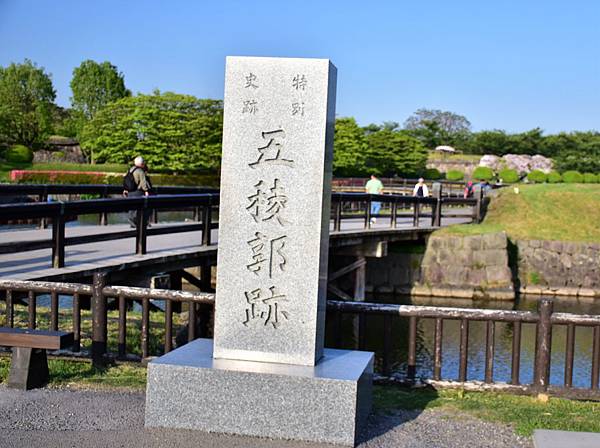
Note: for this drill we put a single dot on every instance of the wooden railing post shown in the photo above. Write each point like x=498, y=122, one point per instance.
x=205, y=311
x=206, y=225
x=337, y=217
x=478, y=196
x=436, y=209
x=58, y=240
x=99, y=328
x=368, y=213
x=104, y=215
x=544, y=344
x=41, y=199
x=141, y=222
x=416, y=213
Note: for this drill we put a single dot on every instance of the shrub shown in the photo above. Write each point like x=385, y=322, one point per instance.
x=508, y=175
x=75, y=177
x=590, y=178
x=572, y=177
x=455, y=175
x=56, y=177
x=554, y=177
x=433, y=174
x=19, y=154
x=176, y=180
x=537, y=176
x=483, y=173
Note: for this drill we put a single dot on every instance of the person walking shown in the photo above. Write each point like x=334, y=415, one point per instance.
x=468, y=192
x=421, y=189
x=374, y=186
x=136, y=183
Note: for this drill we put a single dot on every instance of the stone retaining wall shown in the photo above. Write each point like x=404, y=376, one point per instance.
x=488, y=266
x=472, y=267
x=558, y=268
x=477, y=265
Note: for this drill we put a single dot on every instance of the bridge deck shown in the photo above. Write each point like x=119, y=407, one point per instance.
x=181, y=249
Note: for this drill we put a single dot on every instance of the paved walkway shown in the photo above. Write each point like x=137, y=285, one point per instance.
x=84, y=418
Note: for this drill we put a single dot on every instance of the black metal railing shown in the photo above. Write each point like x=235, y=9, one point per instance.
x=545, y=320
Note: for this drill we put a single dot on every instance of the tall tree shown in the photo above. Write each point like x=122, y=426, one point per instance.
x=171, y=131
x=349, y=148
x=26, y=104
x=394, y=153
x=94, y=85
x=435, y=127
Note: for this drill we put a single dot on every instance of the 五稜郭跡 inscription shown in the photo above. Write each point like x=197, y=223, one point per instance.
x=274, y=215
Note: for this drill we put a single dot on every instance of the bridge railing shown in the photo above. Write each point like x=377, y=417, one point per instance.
x=25, y=293
x=204, y=206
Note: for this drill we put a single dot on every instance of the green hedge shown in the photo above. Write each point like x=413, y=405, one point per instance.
x=50, y=177
x=433, y=174
x=572, y=177
x=554, y=177
x=509, y=175
x=19, y=154
x=537, y=176
x=483, y=173
x=455, y=175
x=590, y=178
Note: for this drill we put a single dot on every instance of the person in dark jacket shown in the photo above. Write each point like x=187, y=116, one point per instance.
x=143, y=187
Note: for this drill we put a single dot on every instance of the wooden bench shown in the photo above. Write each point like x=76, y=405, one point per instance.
x=29, y=363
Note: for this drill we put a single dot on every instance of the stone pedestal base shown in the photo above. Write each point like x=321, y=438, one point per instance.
x=28, y=368
x=189, y=389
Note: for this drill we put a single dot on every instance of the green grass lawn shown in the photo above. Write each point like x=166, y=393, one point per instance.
x=524, y=413
x=81, y=374
x=568, y=212
x=133, y=327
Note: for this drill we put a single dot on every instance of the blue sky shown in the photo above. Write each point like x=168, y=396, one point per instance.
x=511, y=65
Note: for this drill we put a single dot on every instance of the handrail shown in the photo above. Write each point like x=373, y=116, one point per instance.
x=202, y=204
x=92, y=206
x=544, y=319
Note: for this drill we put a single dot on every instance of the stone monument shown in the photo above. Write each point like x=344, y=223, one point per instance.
x=267, y=373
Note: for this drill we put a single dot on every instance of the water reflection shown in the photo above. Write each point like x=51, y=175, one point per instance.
x=477, y=341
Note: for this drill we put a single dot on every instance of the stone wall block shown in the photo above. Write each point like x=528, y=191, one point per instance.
x=455, y=275
x=472, y=243
x=477, y=277
x=498, y=275
x=434, y=242
x=566, y=260
x=494, y=240
x=570, y=247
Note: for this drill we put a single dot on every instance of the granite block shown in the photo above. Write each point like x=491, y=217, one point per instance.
x=326, y=403
x=278, y=126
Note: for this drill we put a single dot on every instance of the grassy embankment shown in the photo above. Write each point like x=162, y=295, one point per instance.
x=568, y=212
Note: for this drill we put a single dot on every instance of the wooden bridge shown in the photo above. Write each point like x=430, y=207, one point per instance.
x=65, y=252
